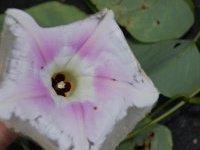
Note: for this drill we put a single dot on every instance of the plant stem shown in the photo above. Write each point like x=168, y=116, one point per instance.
x=163, y=106
x=195, y=92
x=196, y=38
x=155, y=121
x=163, y=116
x=160, y=108
x=169, y=112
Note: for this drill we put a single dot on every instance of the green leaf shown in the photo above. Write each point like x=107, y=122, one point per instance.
x=162, y=138
x=128, y=145
x=53, y=14
x=172, y=65
x=152, y=20
x=155, y=139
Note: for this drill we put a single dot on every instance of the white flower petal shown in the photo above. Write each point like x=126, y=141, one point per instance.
x=110, y=85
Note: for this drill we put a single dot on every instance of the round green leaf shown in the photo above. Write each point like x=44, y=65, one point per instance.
x=152, y=20
x=53, y=14
x=161, y=138
x=172, y=65
x=158, y=138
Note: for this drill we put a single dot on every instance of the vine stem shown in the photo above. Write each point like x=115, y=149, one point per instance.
x=195, y=92
x=160, y=108
x=163, y=106
x=196, y=38
x=164, y=115
x=155, y=121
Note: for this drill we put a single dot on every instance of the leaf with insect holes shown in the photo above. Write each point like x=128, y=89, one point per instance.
x=151, y=20
x=153, y=139
x=172, y=65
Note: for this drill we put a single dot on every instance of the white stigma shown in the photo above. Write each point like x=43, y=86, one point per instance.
x=61, y=85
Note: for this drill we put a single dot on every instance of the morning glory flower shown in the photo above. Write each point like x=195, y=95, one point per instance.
x=71, y=87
